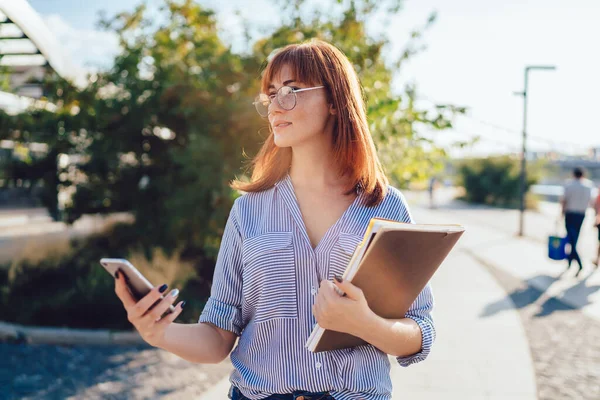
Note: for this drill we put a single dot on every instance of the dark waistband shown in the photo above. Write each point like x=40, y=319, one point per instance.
x=236, y=394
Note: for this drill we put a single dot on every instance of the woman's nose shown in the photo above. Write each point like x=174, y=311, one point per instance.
x=275, y=107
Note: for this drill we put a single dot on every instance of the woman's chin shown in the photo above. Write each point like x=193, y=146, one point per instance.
x=281, y=141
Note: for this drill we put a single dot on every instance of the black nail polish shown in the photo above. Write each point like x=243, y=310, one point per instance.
x=163, y=288
x=182, y=304
x=117, y=274
x=338, y=278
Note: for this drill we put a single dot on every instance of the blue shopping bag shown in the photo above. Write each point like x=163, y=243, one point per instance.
x=557, y=247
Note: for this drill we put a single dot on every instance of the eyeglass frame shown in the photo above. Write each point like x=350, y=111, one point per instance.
x=276, y=96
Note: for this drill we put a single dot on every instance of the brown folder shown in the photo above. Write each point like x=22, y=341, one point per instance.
x=396, y=266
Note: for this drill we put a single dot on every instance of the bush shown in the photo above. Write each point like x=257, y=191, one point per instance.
x=495, y=181
x=72, y=289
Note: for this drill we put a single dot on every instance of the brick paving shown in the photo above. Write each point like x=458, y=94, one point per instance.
x=101, y=372
x=564, y=342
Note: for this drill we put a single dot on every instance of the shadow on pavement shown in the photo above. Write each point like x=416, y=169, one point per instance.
x=524, y=296
x=528, y=293
x=551, y=305
x=581, y=291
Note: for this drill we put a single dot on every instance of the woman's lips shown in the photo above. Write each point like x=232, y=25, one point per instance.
x=282, y=125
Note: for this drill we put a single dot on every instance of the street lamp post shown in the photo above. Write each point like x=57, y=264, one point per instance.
x=522, y=182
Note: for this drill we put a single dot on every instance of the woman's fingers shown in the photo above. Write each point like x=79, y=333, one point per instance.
x=123, y=292
x=167, y=319
x=163, y=305
x=142, y=306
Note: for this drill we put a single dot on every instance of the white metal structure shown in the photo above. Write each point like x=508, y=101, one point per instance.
x=27, y=48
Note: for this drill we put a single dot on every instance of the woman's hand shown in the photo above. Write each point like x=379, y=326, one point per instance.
x=349, y=313
x=148, y=322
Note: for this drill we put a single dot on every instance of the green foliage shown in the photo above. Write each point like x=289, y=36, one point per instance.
x=160, y=134
x=74, y=290
x=494, y=180
x=4, y=77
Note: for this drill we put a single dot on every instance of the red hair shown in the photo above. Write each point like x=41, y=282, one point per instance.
x=319, y=63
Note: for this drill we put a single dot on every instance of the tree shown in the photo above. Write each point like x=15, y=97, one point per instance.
x=165, y=129
x=495, y=180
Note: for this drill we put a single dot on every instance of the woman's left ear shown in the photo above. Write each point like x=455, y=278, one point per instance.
x=332, y=110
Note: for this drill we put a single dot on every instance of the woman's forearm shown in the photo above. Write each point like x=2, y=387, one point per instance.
x=199, y=343
x=399, y=338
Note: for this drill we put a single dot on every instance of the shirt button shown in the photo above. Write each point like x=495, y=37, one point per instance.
x=318, y=365
x=313, y=291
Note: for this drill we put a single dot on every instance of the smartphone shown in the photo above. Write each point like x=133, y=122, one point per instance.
x=137, y=283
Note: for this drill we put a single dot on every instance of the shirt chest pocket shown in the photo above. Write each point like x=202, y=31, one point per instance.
x=269, y=277
x=342, y=253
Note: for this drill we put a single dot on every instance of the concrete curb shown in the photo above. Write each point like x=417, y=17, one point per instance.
x=47, y=335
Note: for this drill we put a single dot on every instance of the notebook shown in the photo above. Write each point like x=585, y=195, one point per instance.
x=391, y=265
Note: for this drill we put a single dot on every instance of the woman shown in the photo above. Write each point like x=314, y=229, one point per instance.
x=316, y=183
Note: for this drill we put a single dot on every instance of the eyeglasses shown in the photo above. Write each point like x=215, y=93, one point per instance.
x=286, y=97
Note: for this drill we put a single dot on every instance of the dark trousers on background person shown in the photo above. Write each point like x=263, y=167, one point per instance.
x=573, y=222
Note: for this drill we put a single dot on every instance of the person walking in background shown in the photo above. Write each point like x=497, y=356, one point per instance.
x=597, y=208
x=431, y=189
x=575, y=201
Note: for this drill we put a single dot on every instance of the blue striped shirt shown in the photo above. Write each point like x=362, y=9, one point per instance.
x=266, y=278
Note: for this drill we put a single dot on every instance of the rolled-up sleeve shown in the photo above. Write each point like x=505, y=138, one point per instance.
x=420, y=312
x=224, y=306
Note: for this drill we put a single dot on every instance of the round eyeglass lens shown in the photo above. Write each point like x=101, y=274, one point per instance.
x=261, y=102
x=286, y=98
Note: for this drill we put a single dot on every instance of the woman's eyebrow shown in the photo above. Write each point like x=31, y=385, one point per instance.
x=271, y=86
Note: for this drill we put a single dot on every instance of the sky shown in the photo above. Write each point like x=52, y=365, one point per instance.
x=476, y=54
